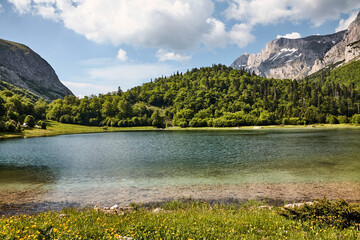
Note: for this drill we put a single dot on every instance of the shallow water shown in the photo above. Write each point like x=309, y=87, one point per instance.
x=95, y=167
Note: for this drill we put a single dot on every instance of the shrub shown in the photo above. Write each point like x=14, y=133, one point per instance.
x=343, y=119
x=292, y=121
x=331, y=119
x=356, y=119
x=65, y=119
x=197, y=122
x=30, y=120
x=183, y=124
x=42, y=124
x=336, y=213
x=10, y=126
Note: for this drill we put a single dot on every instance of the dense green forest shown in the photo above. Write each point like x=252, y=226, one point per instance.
x=220, y=96
x=18, y=106
x=216, y=96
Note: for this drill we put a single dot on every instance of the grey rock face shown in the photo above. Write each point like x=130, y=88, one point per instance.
x=22, y=67
x=297, y=58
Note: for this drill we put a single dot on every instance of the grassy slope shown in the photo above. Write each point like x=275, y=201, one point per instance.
x=179, y=220
x=56, y=128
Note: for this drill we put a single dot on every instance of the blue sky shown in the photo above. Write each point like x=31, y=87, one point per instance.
x=96, y=46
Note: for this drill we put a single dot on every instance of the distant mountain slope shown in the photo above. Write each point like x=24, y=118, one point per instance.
x=347, y=74
x=297, y=58
x=24, y=68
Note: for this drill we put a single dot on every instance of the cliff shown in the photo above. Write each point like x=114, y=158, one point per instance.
x=24, y=68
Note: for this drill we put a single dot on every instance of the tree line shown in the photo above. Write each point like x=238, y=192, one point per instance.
x=216, y=96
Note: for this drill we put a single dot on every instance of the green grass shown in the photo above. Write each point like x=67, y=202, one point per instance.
x=178, y=220
x=55, y=128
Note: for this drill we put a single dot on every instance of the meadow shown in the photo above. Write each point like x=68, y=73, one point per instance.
x=187, y=219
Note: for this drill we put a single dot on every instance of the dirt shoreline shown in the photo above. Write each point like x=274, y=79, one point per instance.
x=35, y=201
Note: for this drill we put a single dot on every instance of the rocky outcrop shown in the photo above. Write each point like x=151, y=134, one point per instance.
x=297, y=58
x=24, y=68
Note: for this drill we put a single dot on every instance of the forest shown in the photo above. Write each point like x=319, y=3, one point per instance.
x=216, y=96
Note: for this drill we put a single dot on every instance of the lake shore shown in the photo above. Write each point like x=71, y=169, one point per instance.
x=14, y=202
x=56, y=128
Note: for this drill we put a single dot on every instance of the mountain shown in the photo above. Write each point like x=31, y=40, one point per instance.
x=297, y=58
x=24, y=68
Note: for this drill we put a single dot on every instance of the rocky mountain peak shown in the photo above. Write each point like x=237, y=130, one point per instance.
x=297, y=58
x=22, y=67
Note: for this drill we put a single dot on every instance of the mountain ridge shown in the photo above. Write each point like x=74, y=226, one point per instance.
x=24, y=68
x=297, y=58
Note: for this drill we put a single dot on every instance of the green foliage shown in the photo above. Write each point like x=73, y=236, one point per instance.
x=333, y=213
x=331, y=119
x=157, y=120
x=10, y=89
x=30, y=120
x=42, y=124
x=184, y=219
x=216, y=96
x=356, y=119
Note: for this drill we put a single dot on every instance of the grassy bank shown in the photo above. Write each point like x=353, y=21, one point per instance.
x=191, y=220
x=56, y=128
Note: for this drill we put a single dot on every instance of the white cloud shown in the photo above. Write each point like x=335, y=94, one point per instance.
x=344, y=23
x=179, y=25
x=265, y=12
x=22, y=6
x=89, y=87
x=164, y=55
x=129, y=75
x=122, y=55
x=1, y=8
x=292, y=35
x=171, y=24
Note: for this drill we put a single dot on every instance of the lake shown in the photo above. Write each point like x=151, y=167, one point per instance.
x=138, y=166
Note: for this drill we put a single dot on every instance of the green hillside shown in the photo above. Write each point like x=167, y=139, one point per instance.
x=18, y=106
x=19, y=91
x=349, y=74
x=220, y=96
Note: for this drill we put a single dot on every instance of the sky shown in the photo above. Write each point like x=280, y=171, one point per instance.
x=97, y=45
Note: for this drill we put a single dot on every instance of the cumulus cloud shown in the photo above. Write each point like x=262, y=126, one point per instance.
x=164, y=55
x=292, y=35
x=172, y=24
x=128, y=75
x=219, y=37
x=179, y=25
x=266, y=12
x=344, y=23
x=122, y=55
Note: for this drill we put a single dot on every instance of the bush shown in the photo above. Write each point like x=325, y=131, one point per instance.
x=331, y=119
x=356, y=119
x=10, y=126
x=334, y=213
x=65, y=119
x=343, y=119
x=183, y=124
x=42, y=124
x=197, y=122
x=291, y=121
x=30, y=120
